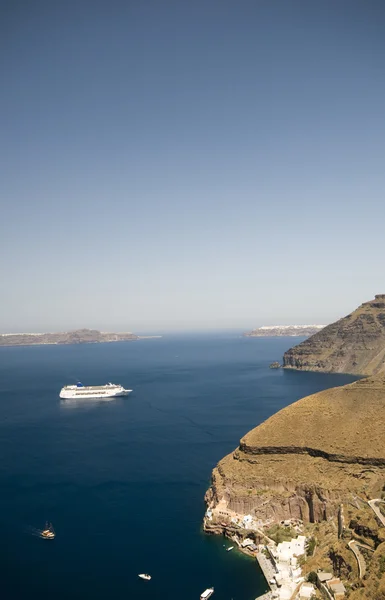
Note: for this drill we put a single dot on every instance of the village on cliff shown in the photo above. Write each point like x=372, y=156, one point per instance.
x=304, y=494
x=280, y=563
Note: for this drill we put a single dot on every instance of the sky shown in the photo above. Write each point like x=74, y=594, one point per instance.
x=176, y=165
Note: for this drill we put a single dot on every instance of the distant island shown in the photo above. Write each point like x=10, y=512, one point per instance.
x=79, y=336
x=284, y=330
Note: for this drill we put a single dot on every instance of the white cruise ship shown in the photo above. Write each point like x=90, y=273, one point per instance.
x=80, y=391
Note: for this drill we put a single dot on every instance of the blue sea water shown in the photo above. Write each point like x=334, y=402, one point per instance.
x=123, y=481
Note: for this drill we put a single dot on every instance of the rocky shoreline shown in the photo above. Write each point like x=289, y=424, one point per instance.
x=315, y=467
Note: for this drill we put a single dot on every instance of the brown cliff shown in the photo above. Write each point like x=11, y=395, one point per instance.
x=354, y=344
x=308, y=458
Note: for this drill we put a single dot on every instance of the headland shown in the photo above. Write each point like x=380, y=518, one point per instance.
x=311, y=469
x=354, y=344
x=316, y=469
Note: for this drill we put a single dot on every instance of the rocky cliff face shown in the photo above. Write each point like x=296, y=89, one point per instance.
x=307, y=459
x=354, y=344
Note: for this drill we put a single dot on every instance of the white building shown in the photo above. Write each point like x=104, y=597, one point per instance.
x=286, y=591
x=247, y=542
x=287, y=552
x=288, y=574
x=306, y=591
x=247, y=521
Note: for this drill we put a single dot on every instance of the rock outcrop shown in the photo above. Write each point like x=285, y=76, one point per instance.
x=308, y=458
x=80, y=336
x=354, y=344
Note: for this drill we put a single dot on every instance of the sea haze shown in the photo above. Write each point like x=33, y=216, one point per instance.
x=123, y=481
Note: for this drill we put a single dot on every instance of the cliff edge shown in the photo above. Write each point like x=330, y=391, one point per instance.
x=354, y=344
x=306, y=459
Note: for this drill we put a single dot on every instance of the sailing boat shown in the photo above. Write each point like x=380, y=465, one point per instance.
x=48, y=533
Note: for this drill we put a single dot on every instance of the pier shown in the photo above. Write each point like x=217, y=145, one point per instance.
x=266, y=566
x=268, y=571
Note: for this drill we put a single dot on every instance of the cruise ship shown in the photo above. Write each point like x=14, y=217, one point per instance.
x=80, y=391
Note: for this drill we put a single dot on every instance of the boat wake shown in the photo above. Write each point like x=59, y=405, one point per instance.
x=34, y=531
x=68, y=404
x=47, y=533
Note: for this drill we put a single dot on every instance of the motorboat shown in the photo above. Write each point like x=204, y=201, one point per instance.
x=48, y=533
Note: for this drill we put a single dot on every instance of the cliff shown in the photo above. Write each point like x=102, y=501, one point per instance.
x=306, y=459
x=354, y=344
x=80, y=336
x=284, y=330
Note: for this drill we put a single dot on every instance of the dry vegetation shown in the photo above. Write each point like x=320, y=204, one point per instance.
x=347, y=421
x=333, y=554
x=276, y=475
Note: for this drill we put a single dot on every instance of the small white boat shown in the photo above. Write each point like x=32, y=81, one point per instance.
x=230, y=548
x=207, y=593
x=144, y=576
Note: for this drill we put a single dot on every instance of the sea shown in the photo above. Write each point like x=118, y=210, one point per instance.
x=123, y=481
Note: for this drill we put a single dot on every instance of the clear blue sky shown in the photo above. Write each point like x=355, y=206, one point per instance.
x=190, y=164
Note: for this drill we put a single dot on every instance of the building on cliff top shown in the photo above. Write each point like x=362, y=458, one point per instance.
x=337, y=588
x=333, y=584
x=323, y=576
x=306, y=591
